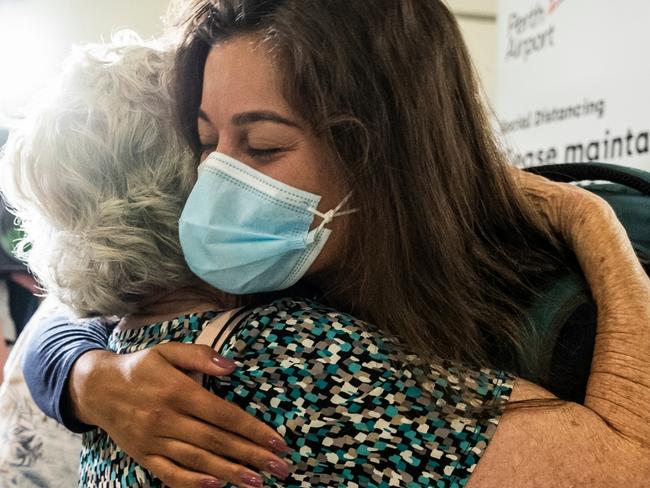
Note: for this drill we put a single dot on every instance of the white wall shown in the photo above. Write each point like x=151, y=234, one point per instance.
x=477, y=19
x=92, y=20
x=36, y=35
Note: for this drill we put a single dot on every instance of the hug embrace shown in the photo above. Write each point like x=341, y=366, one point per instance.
x=304, y=203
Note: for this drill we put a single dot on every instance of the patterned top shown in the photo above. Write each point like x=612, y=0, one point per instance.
x=355, y=410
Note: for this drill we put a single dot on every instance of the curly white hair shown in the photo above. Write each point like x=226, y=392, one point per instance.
x=98, y=176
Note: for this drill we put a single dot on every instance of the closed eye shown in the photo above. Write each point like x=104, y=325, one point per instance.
x=252, y=151
x=265, y=154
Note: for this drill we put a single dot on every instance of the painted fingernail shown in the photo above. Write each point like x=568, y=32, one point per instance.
x=212, y=483
x=252, y=479
x=223, y=362
x=278, y=444
x=281, y=470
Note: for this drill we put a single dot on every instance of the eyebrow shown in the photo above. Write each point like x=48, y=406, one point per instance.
x=256, y=116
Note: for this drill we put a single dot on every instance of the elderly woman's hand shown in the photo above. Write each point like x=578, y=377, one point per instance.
x=581, y=218
x=167, y=422
x=566, y=207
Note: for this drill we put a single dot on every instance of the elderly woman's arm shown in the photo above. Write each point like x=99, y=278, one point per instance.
x=49, y=356
x=606, y=442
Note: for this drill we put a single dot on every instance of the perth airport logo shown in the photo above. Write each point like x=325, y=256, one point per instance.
x=532, y=31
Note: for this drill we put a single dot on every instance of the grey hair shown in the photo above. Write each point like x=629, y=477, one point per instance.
x=98, y=176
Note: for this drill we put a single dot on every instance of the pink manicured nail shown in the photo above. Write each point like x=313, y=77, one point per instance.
x=211, y=483
x=279, y=445
x=223, y=362
x=281, y=470
x=252, y=479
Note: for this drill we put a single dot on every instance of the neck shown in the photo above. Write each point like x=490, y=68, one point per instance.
x=328, y=282
x=170, y=304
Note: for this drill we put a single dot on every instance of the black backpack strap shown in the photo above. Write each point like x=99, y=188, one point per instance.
x=636, y=179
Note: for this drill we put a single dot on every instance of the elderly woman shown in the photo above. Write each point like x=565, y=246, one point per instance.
x=98, y=175
x=277, y=121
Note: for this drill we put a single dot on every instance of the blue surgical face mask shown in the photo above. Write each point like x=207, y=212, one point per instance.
x=244, y=232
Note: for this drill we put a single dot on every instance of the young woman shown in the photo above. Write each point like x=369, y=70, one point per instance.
x=376, y=100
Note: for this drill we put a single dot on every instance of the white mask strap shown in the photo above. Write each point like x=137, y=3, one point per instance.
x=335, y=212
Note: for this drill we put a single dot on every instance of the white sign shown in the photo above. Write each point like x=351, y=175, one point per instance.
x=573, y=81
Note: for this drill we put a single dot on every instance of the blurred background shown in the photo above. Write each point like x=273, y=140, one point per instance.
x=36, y=35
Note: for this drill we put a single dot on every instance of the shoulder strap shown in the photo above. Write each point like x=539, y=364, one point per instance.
x=221, y=327
x=218, y=331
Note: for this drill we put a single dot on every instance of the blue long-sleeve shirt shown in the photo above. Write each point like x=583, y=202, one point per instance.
x=50, y=355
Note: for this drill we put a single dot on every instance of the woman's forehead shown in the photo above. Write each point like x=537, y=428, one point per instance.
x=241, y=76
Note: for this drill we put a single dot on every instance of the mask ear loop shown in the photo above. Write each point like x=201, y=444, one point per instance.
x=330, y=214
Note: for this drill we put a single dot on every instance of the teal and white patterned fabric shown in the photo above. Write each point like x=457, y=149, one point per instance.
x=356, y=410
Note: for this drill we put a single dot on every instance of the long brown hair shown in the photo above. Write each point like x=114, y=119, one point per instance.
x=446, y=252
